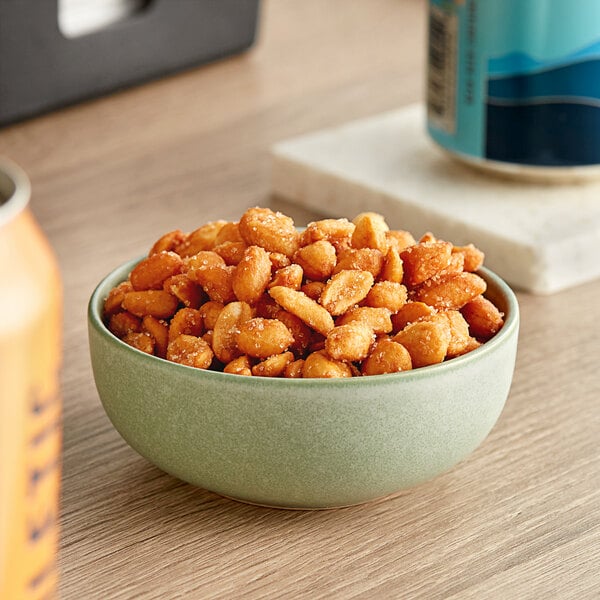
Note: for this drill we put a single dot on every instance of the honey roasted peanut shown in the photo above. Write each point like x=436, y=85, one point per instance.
x=186, y=321
x=227, y=326
x=320, y=365
x=424, y=260
x=290, y=276
x=317, y=259
x=378, y=319
x=141, y=341
x=386, y=356
x=114, y=300
x=185, y=290
x=392, y=268
x=387, y=294
x=123, y=323
x=256, y=297
x=293, y=370
x=426, y=341
x=350, y=342
x=216, y=281
x=231, y=252
x=473, y=257
x=191, y=351
x=169, y=241
x=157, y=303
x=345, y=290
x=262, y=338
x=484, y=319
x=360, y=259
x=252, y=275
x=274, y=366
x=411, y=312
x=238, y=366
x=305, y=308
x=336, y=231
x=159, y=332
x=370, y=232
x=273, y=231
x=452, y=293
x=150, y=273
x=200, y=239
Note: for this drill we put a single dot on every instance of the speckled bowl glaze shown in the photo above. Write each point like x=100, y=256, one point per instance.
x=311, y=443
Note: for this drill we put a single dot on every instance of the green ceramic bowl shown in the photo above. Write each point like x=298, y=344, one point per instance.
x=311, y=443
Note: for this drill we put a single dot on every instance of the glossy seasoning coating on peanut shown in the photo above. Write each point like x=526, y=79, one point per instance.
x=258, y=298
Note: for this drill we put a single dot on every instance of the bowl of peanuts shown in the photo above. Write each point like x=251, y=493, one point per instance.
x=303, y=368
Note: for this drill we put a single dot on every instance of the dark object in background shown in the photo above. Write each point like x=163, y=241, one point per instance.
x=40, y=69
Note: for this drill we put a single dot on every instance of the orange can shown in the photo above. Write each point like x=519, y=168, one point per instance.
x=30, y=405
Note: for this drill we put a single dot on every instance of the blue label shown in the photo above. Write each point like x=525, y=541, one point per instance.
x=515, y=81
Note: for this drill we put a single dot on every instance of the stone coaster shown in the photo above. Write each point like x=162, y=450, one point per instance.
x=539, y=237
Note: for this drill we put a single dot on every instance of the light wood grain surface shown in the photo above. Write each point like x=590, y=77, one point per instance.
x=520, y=518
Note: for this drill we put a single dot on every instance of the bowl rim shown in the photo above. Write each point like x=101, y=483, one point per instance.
x=120, y=273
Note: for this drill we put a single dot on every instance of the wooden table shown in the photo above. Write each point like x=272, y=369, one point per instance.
x=520, y=518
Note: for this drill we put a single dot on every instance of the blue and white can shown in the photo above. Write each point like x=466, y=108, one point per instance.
x=514, y=85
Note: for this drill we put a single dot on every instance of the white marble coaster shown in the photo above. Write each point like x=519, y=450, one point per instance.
x=541, y=238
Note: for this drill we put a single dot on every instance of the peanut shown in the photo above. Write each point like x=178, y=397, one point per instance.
x=484, y=319
x=186, y=321
x=274, y=366
x=191, y=351
x=238, y=366
x=313, y=289
x=349, y=342
x=209, y=312
x=159, y=332
x=123, y=323
x=226, y=329
x=150, y=273
x=112, y=304
x=261, y=338
x=399, y=239
x=200, y=239
x=392, y=269
x=426, y=342
x=185, y=290
x=293, y=370
x=157, y=303
x=168, y=242
x=273, y=231
x=231, y=252
x=318, y=364
x=252, y=275
x=473, y=257
x=387, y=294
x=386, y=356
x=378, y=319
x=290, y=276
x=306, y=309
x=141, y=341
x=317, y=259
x=424, y=260
x=230, y=232
x=452, y=292
x=361, y=259
x=370, y=232
x=411, y=312
x=336, y=231
x=345, y=289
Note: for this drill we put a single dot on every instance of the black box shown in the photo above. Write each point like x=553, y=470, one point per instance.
x=40, y=69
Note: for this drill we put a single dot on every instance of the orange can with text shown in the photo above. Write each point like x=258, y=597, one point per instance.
x=30, y=406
